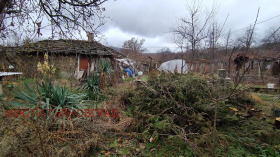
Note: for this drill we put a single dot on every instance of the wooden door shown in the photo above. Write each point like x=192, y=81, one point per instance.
x=83, y=64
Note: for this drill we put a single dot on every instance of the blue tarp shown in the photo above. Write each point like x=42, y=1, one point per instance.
x=127, y=70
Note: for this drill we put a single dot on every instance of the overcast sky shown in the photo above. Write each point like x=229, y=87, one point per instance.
x=152, y=19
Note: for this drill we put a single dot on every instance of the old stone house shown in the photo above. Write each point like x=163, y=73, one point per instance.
x=70, y=57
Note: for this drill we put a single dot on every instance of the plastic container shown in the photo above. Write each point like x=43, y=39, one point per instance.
x=140, y=73
x=270, y=85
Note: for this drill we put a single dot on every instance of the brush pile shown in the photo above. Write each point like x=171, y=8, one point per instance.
x=183, y=105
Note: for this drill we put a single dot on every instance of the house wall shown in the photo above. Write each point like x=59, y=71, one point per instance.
x=76, y=64
x=67, y=65
x=64, y=63
x=28, y=64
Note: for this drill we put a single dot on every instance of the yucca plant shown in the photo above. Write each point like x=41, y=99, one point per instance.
x=92, y=88
x=26, y=95
x=106, y=67
x=58, y=97
x=91, y=83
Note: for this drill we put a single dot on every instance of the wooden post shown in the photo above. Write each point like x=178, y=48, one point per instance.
x=77, y=64
x=212, y=68
x=1, y=91
x=201, y=66
x=259, y=70
x=222, y=73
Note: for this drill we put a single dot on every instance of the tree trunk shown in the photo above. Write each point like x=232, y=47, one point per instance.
x=215, y=129
x=3, y=5
x=182, y=67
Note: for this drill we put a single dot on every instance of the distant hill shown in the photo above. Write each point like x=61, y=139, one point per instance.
x=269, y=50
x=115, y=48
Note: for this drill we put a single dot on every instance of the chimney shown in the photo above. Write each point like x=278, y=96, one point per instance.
x=90, y=37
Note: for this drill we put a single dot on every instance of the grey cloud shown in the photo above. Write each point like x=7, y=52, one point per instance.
x=152, y=19
x=148, y=18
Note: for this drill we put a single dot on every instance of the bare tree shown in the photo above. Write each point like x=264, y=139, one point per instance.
x=246, y=40
x=134, y=46
x=214, y=34
x=228, y=41
x=65, y=17
x=164, y=54
x=164, y=50
x=272, y=47
x=227, y=46
x=240, y=61
x=192, y=29
x=273, y=42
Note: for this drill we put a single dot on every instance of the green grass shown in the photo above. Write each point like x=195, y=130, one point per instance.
x=129, y=79
x=253, y=136
x=135, y=146
x=269, y=100
x=144, y=78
